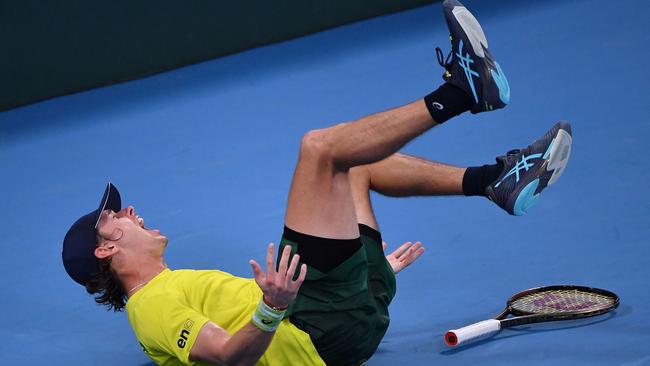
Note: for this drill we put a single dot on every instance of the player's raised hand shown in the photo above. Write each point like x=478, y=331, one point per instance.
x=404, y=255
x=278, y=286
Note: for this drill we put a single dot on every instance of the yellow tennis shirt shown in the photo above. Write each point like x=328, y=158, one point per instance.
x=168, y=313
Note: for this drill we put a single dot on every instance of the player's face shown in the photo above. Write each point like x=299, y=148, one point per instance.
x=127, y=229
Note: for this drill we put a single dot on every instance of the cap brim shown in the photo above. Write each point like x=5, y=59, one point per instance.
x=110, y=201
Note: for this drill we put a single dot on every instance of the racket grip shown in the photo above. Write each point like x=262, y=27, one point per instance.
x=472, y=332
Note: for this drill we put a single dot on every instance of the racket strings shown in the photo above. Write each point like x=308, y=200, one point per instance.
x=562, y=301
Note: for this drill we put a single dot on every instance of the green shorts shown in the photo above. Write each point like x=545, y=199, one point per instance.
x=345, y=311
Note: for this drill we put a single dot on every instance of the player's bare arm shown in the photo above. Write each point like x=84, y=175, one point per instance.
x=214, y=344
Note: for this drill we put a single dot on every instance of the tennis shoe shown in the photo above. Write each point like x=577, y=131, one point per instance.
x=469, y=65
x=528, y=171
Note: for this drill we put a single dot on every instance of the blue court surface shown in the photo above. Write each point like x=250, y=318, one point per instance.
x=206, y=154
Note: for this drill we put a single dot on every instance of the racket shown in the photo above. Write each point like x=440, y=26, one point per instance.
x=541, y=304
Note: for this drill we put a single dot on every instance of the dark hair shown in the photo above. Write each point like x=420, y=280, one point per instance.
x=105, y=283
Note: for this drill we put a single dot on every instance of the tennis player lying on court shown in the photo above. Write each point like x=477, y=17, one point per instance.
x=326, y=300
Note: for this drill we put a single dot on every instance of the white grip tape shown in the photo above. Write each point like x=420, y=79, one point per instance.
x=472, y=332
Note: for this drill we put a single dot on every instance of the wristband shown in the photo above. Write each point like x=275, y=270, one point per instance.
x=266, y=318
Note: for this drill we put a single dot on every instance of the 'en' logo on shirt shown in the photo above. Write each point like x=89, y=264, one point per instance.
x=187, y=327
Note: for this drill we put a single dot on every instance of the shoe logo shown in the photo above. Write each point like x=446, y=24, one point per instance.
x=437, y=106
x=522, y=164
x=464, y=62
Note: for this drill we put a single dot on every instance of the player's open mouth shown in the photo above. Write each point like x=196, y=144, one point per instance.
x=140, y=221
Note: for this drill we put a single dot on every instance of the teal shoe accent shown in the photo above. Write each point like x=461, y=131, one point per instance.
x=524, y=165
x=502, y=83
x=527, y=198
x=465, y=62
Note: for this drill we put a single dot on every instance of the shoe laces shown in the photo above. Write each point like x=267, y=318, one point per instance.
x=508, y=157
x=442, y=60
x=512, y=154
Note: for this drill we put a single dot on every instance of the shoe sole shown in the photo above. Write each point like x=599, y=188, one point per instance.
x=473, y=33
x=471, y=27
x=557, y=157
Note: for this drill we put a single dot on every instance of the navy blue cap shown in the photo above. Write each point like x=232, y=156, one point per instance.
x=79, y=244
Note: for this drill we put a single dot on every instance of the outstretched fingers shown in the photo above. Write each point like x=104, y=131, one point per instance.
x=257, y=272
x=411, y=254
x=292, y=284
x=279, y=286
x=270, y=262
x=403, y=256
x=284, y=262
x=262, y=278
x=291, y=273
x=301, y=277
x=288, y=278
x=402, y=249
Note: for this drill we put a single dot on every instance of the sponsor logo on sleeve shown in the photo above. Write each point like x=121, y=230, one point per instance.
x=185, y=332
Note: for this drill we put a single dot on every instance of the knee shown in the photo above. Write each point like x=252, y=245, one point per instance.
x=316, y=145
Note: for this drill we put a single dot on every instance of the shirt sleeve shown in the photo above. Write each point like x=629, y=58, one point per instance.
x=166, y=325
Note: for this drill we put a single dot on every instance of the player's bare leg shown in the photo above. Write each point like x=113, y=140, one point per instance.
x=401, y=175
x=320, y=200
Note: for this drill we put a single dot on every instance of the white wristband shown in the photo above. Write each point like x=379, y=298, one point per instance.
x=266, y=318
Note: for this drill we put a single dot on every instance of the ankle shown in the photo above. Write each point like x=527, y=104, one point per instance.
x=477, y=179
x=446, y=102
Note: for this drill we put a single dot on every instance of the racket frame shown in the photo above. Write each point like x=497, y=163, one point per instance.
x=523, y=317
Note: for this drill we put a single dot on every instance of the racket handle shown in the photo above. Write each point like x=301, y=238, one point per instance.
x=472, y=332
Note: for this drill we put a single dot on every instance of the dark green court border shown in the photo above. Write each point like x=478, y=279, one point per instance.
x=53, y=48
